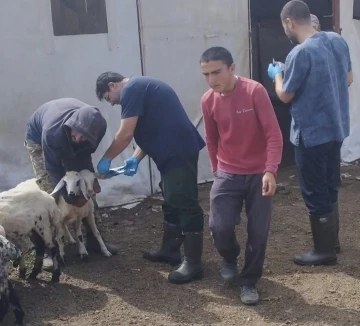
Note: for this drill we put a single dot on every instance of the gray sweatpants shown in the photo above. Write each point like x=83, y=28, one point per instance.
x=228, y=193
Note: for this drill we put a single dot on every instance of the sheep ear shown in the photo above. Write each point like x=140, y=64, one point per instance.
x=83, y=188
x=58, y=186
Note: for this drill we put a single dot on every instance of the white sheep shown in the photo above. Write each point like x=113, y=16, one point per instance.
x=78, y=183
x=2, y=231
x=8, y=296
x=31, y=220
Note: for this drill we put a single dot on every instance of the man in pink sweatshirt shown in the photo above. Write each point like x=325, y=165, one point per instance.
x=245, y=144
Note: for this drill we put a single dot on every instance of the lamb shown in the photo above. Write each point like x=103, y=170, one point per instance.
x=31, y=220
x=77, y=183
x=8, y=295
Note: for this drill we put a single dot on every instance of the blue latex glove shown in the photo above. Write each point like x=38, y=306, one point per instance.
x=273, y=70
x=104, y=166
x=131, y=166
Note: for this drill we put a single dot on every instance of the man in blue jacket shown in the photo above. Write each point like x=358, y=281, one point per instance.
x=153, y=115
x=60, y=136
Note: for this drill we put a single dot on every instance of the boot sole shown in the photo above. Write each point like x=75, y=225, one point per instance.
x=166, y=260
x=250, y=303
x=197, y=276
x=325, y=263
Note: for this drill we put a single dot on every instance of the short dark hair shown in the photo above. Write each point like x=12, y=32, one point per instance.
x=217, y=53
x=102, y=82
x=296, y=10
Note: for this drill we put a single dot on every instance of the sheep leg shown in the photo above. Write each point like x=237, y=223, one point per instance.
x=97, y=235
x=22, y=267
x=57, y=261
x=68, y=237
x=16, y=306
x=98, y=219
x=60, y=240
x=40, y=251
x=25, y=245
x=80, y=241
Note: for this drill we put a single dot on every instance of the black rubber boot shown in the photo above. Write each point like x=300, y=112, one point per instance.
x=92, y=245
x=337, y=227
x=322, y=228
x=169, y=251
x=191, y=268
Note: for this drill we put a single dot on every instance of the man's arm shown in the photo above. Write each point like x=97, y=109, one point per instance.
x=283, y=96
x=139, y=154
x=350, y=78
x=266, y=115
x=297, y=67
x=211, y=136
x=54, y=165
x=122, y=138
x=132, y=107
x=52, y=159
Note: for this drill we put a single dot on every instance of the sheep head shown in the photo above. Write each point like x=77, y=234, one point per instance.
x=89, y=178
x=75, y=185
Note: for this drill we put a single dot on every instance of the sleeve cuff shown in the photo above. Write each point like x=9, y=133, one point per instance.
x=272, y=170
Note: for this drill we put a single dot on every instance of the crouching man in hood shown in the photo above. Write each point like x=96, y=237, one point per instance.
x=60, y=136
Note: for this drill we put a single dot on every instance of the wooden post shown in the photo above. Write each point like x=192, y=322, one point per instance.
x=336, y=16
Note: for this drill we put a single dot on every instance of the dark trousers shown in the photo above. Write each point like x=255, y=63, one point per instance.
x=227, y=195
x=180, y=191
x=318, y=172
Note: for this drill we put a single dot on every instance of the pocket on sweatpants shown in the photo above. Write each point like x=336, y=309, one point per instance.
x=224, y=175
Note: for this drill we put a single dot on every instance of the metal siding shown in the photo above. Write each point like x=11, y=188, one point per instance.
x=174, y=35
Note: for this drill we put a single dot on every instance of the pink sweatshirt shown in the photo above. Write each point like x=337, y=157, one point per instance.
x=241, y=130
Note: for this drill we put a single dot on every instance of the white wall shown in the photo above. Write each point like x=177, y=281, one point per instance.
x=37, y=67
x=351, y=33
x=174, y=39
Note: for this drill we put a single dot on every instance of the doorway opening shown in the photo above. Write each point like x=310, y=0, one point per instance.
x=269, y=41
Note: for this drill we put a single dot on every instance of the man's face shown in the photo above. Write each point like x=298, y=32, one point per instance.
x=77, y=138
x=290, y=30
x=113, y=94
x=217, y=75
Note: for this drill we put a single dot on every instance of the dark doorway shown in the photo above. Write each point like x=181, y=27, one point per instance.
x=269, y=41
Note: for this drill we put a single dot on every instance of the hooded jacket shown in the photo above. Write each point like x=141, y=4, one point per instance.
x=50, y=126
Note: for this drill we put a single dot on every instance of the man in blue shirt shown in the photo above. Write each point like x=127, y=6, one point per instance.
x=317, y=74
x=153, y=115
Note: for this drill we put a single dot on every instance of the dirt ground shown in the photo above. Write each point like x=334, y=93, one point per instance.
x=127, y=290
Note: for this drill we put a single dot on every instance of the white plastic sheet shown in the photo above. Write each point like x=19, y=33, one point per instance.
x=351, y=33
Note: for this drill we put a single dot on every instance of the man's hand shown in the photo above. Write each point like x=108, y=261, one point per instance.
x=274, y=70
x=104, y=166
x=268, y=184
x=81, y=201
x=131, y=166
x=96, y=186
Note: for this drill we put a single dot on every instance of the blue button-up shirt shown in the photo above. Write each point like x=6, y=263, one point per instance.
x=317, y=72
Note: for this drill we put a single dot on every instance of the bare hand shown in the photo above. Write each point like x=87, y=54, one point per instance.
x=268, y=184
